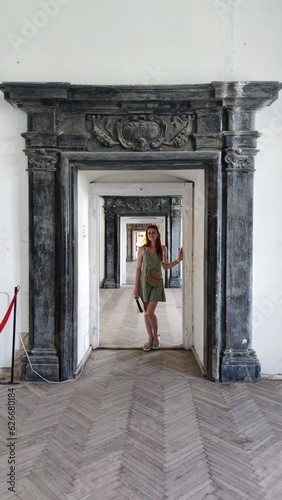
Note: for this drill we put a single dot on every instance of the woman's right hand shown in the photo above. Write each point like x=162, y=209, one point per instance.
x=136, y=292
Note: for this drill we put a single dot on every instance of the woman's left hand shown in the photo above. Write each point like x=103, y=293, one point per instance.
x=180, y=257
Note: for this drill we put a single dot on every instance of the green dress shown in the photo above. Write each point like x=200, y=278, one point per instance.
x=147, y=291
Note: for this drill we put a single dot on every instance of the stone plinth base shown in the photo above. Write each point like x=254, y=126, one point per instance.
x=110, y=283
x=46, y=366
x=240, y=366
x=175, y=283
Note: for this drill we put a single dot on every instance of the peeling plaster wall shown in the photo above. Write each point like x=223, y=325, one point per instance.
x=149, y=42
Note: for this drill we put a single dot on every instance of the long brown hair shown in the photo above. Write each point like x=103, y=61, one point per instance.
x=158, y=241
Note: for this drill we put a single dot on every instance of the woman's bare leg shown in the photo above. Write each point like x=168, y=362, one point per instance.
x=151, y=319
x=148, y=327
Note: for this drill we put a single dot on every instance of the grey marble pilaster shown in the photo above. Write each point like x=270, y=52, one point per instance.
x=42, y=350
x=129, y=256
x=175, y=280
x=111, y=279
x=239, y=361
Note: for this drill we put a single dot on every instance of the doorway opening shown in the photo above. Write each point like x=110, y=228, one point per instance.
x=190, y=308
x=133, y=232
x=120, y=326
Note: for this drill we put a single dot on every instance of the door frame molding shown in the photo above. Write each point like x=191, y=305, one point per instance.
x=180, y=188
x=210, y=163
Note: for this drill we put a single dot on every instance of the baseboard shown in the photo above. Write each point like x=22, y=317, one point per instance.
x=275, y=376
x=83, y=361
x=199, y=362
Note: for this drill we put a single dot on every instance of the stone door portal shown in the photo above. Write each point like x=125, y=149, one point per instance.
x=81, y=127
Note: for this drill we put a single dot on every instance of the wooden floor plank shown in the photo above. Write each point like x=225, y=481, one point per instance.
x=139, y=425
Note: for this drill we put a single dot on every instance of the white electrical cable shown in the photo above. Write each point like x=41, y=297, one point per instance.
x=34, y=371
x=30, y=364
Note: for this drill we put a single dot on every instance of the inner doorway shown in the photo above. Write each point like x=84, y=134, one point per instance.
x=120, y=326
x=100, y=189
x=132, y=231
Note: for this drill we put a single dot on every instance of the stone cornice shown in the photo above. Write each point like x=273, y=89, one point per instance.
x=251, y=94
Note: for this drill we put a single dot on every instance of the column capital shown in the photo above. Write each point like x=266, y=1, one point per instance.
x=42, y=160
x=240, y=160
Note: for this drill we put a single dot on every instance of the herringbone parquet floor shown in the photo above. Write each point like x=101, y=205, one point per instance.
x=121, y=327
x=139, y=425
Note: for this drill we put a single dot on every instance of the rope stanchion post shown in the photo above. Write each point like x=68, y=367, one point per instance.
x=17, y=288
x=14, y=337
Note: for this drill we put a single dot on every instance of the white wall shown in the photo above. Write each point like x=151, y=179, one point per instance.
x=148, y=42
x=13, y=225
x=83, y=325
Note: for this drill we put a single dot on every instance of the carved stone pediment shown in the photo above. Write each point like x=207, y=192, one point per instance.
x=137, y=205
x=142, y=132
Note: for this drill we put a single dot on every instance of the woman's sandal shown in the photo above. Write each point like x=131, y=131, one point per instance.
x=148, y=346
x=156, y=343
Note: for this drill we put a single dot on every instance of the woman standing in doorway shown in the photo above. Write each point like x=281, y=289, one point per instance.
x=152, y=256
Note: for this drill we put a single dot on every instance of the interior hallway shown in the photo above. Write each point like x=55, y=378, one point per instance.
x=143, y=426
x=147, y=426
x=122, y=327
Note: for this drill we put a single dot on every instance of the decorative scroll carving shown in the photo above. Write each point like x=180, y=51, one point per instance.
x=176, y=207
x=42, y=160
x=101, y=131
x=137, y=205
x=239, y=160
x=142, y=132
x=175, y=212
x=180, y=137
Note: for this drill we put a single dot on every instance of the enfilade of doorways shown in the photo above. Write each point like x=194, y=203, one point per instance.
x=122, y=327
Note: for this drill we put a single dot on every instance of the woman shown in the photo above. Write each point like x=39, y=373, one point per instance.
x=152, y=255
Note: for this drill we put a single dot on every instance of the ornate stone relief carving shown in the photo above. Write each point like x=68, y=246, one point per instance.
x=137, y=205
x=143, y=132
x=239, y=160
x=42, y=160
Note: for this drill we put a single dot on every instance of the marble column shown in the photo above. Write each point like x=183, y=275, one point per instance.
x=175, y=241
x=239, y=360
x=42, y=349
x=111, y=279
x=129, y=233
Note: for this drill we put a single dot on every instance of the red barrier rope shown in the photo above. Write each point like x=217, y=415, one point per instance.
x=9, y=310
